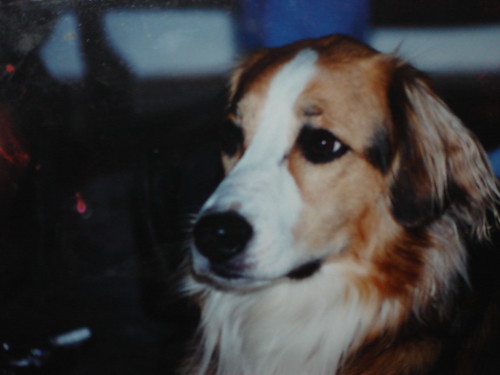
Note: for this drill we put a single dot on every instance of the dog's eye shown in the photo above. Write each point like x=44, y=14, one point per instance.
x=231, y=137
x=320, y=145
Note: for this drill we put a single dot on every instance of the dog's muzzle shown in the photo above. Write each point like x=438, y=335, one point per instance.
x=222, y=238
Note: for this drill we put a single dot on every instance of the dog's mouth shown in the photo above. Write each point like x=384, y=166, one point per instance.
x=305, y=270
x=226, y=272
x=229, y=277
x=301, y=272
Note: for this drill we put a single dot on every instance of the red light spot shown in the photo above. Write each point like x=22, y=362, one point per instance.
x=11, y=149
x=9, y=68
x=81, y=206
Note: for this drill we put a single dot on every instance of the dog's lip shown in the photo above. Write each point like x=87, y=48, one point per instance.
x=231, y=281
x=225, y=272
x=305, y=270
x=222, y=276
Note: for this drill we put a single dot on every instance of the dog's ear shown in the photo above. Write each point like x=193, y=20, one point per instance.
x=439, y=165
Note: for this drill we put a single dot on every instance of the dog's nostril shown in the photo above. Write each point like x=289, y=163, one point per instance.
x=221, y=236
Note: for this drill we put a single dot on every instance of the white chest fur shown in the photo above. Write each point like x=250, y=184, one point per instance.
x=292, y=328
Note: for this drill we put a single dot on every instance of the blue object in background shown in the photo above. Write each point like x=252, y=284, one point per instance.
x=495, y=160
x=271, y=23
x=61, y=52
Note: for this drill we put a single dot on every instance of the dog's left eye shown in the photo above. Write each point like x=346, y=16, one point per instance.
x=320, y=145
x=231, y=137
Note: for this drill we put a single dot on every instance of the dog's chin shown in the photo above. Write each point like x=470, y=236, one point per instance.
x=225, y=278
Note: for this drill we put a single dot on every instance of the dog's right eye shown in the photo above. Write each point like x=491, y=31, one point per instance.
x=320, y=145
x=231, y=138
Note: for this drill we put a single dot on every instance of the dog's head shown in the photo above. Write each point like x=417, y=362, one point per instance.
x=332, y=152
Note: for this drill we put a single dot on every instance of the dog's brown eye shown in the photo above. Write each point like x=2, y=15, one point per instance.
x=320, y=145
x=231, y=137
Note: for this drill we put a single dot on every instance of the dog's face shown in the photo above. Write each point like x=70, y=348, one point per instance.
x=312, y=167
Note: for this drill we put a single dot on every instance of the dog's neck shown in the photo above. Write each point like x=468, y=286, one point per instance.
x=293, y=327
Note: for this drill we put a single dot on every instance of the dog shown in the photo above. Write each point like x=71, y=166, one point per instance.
x=339, y=241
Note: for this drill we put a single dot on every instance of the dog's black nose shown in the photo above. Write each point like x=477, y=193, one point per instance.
x=220, y=236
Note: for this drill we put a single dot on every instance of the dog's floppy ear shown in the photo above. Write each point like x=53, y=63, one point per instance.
x=439, y=165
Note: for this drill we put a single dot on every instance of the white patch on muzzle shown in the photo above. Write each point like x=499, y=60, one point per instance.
x=260, y=187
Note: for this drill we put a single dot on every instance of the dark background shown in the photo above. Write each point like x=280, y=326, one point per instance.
x=98, y=181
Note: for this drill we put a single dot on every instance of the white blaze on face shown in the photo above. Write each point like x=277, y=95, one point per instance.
x=260, y=187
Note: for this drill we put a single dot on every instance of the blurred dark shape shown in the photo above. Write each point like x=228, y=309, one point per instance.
x=434, y=13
